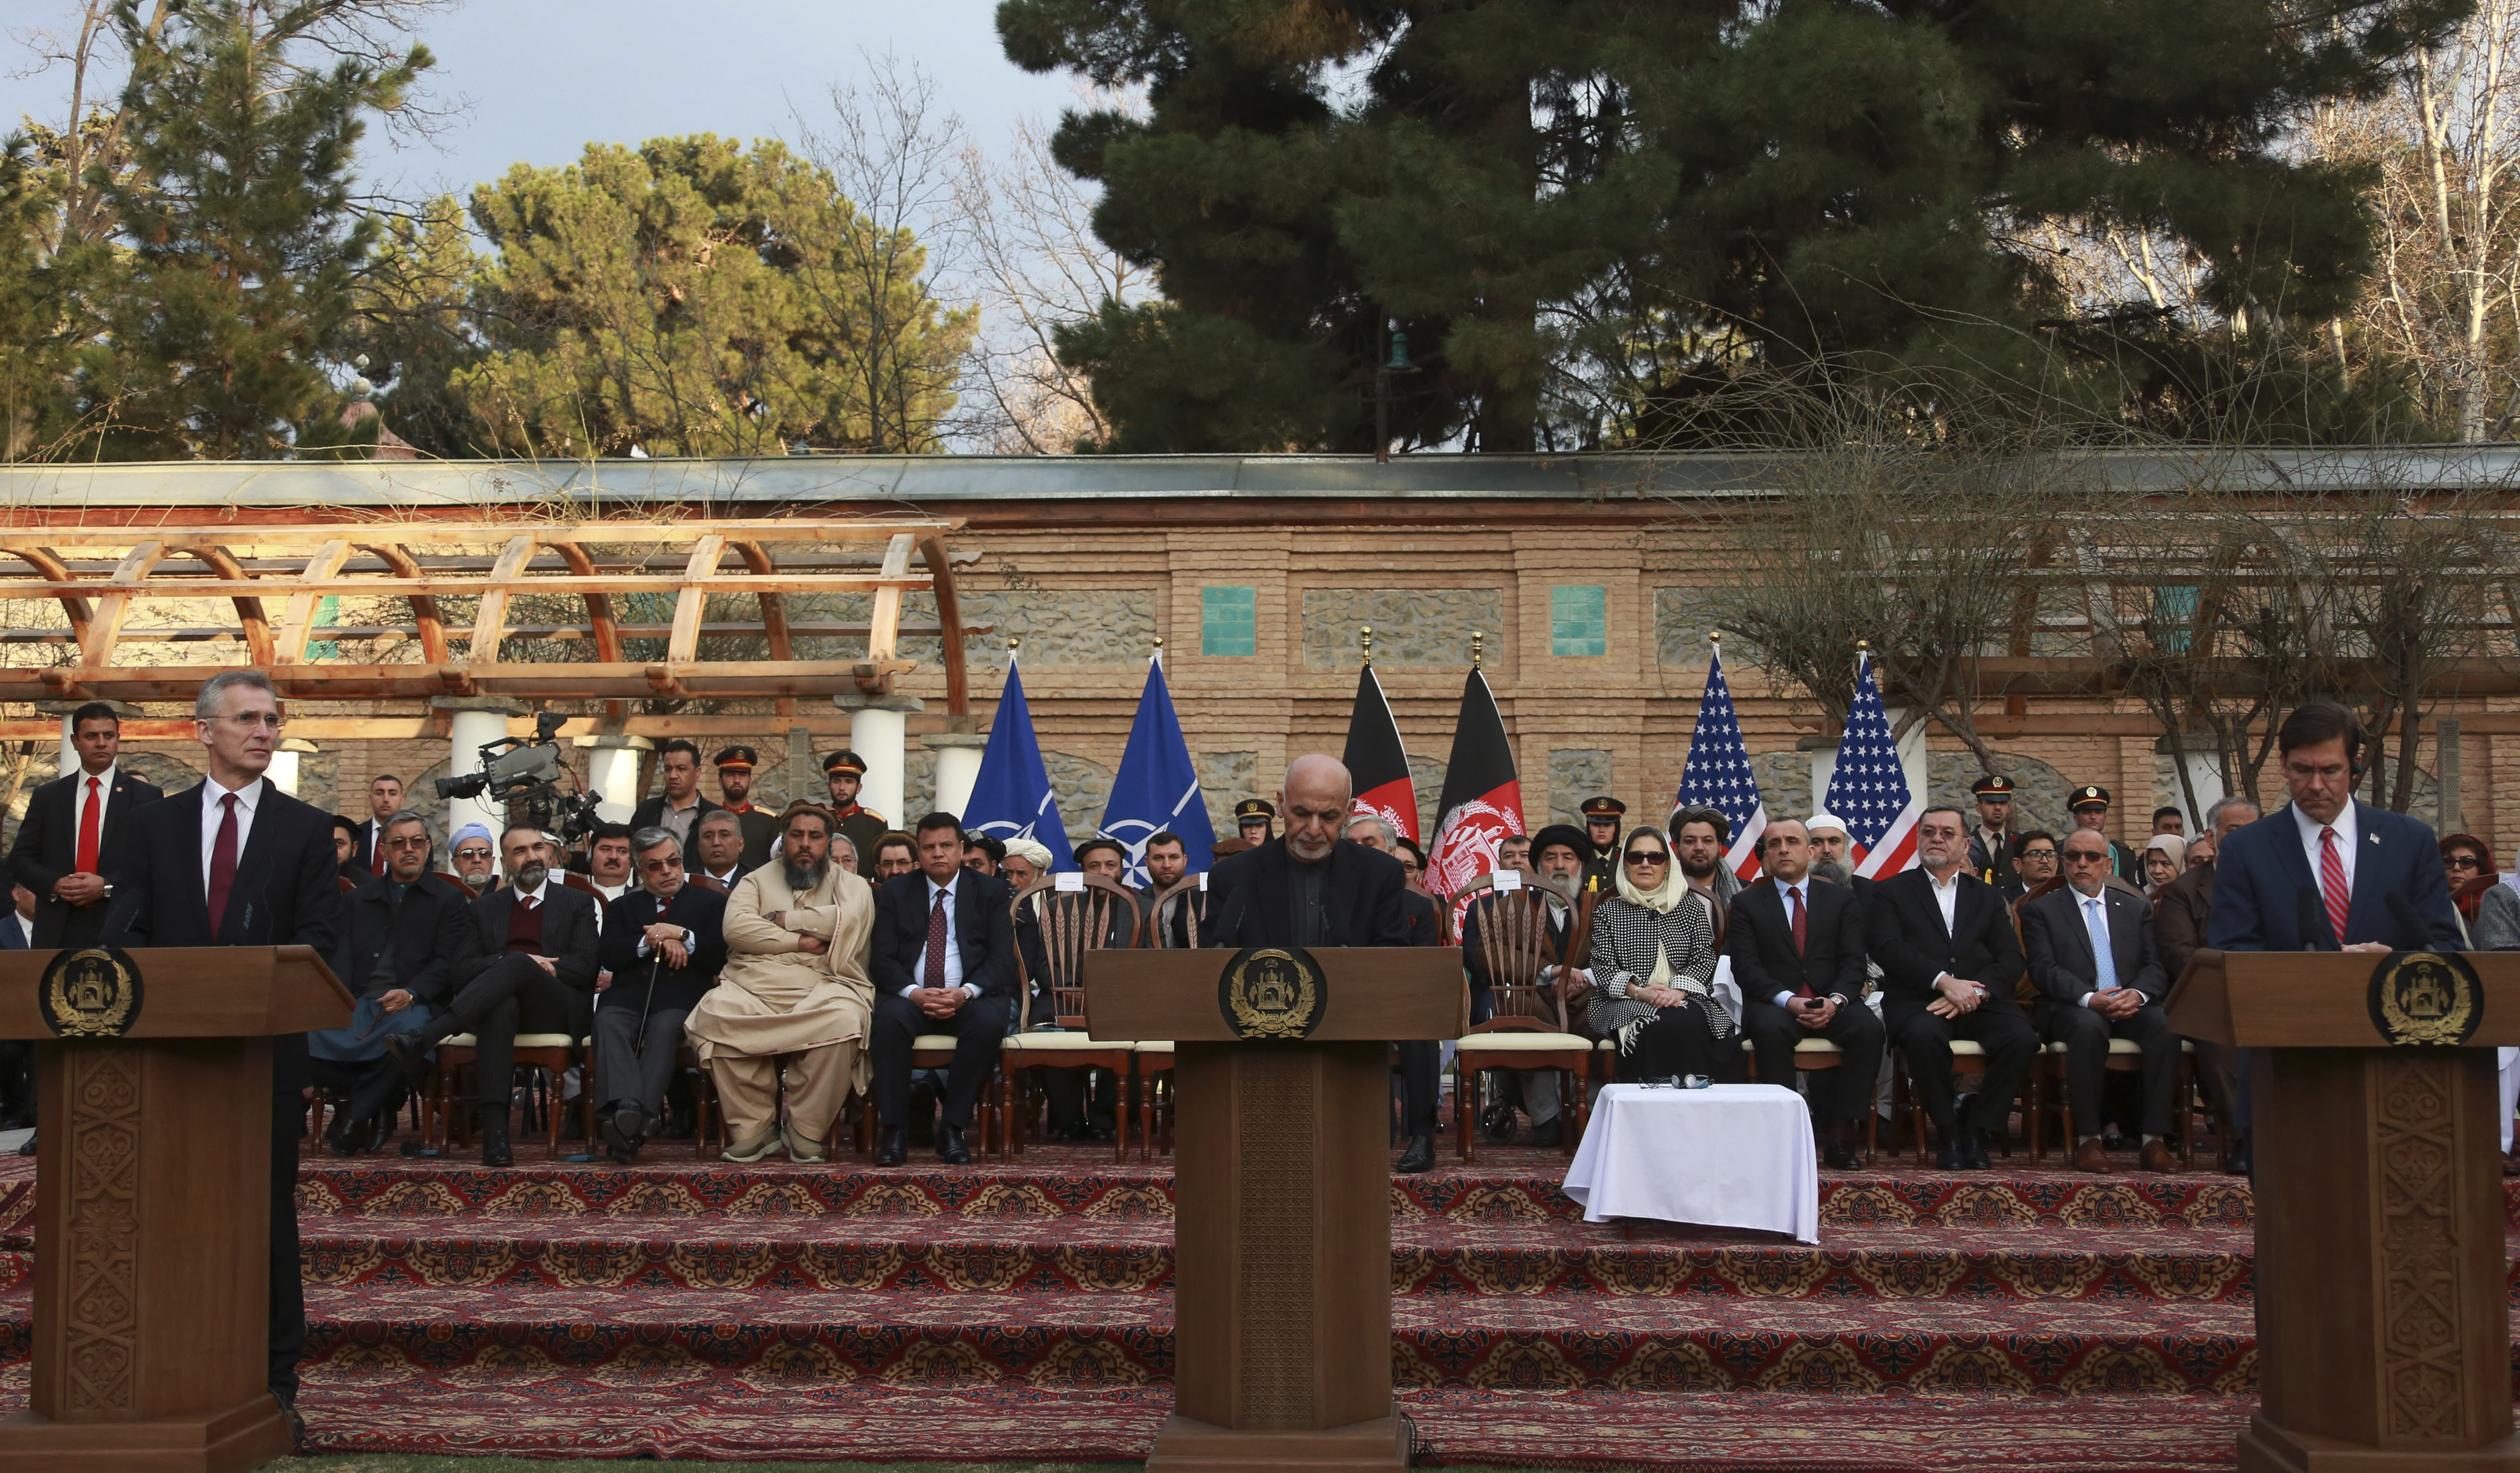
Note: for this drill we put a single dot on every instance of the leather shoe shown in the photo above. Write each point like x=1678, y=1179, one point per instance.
x=2241, y=1164
x=1837, y=1155
x=950, y=1149
x=494, y=1139
x=1420, y=1156
x=2092, y=1155
x=1549, y=1135
x=1951, y=1157
x=623, y=1129
x=1974, y=1148
x=409, y=1058
x=2157, y=1157
x=892, y=1145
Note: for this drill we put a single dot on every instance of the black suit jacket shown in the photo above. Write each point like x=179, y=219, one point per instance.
x=2062, y=965
x=47, y=849
x=1760, y=940
x=695, y=909
x=1907, y=938
x=13, y=936
x=984, y=931
x=568, y=931
x=1251, y=898
x=287, y=891
x=652, y=815
x=433, y=939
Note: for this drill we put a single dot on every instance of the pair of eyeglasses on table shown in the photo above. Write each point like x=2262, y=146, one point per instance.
x=1678, y=1082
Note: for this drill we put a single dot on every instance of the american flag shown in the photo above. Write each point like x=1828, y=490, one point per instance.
x=1869, y=787
x=1718, y=774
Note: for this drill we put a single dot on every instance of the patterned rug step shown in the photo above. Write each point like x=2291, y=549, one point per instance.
x=696, y=1412
x=1432, y=1256
x=1069, y=1339
x=396, y=1188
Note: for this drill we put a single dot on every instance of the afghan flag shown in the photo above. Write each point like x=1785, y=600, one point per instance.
x=1482, y=799
x=1377, y=761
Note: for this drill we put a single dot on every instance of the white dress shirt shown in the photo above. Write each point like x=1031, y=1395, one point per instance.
x=1798, y=894
x=1947, y=895
x=2094, y=911
x=246, y=797
x=104, y=805
x=953, y=941
x=2347, y=831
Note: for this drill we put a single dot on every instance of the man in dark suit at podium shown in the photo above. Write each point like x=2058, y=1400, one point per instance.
x=74, y=829
x=2317, y=875
x=1312, y=889
x=236, y=862
x=944, y=961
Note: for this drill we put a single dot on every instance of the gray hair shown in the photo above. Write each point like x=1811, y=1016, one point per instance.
x=2214, y=814
x=213, y=697
x=409, y=817
x=652, y=836
x=838, y=840
x=719, y=816
x=1390, y=836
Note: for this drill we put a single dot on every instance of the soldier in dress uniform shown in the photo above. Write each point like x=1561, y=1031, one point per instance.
x=1255, y=818
x=2091, y=805
x=844, y=772
x=1990, y=856
x=1602, y=825
x=734, y=766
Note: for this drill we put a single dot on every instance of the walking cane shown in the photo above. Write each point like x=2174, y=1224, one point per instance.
x=639, y=1039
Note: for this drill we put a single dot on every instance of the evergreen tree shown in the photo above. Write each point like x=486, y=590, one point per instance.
x=1585, y=210
x=242, y=238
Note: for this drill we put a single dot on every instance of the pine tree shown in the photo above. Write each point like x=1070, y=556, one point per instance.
x=1585, y=210
x=242, y=240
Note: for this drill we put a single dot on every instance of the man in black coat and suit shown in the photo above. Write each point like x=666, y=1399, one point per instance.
x=533, y=971
x=1797, y=951
x=944, y=961
x=679, y=809
x=665, y=940
x=236, y=862
x=72, y=841
x=2082, y=1003
x=1948, y=962
x=406, y=935
x=1312, y=889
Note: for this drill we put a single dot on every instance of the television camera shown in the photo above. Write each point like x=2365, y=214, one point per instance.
x=527, y=771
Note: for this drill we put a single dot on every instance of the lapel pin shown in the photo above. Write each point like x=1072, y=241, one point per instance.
x=2374, y=839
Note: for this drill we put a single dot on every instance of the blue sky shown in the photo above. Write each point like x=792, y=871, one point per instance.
x=540, y=78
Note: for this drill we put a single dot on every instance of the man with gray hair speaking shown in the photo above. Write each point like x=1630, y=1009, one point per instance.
x=1313, y=888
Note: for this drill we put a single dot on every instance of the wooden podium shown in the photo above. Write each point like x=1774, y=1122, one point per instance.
x=2384, y=1326
x=1281, y=1187
x=153, y=1209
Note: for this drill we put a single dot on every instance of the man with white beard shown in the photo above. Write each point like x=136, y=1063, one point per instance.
x=796, y=990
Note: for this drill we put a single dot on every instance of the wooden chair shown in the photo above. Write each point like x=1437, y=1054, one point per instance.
x=1072, y=922
x=705, y=883
x=2125, y=1056
x=1967, y=1058
x=1528, y=1027
x=1153, y=1060
x=549, y=1053
x=459, y=882
x=348, y=885
x=703, y=1097
x=1814, y=1055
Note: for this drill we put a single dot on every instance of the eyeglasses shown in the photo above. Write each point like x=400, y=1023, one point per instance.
x=1644, y=857
x=251, y=719
x=2073, y=857
x=2038, y=854
x=2464, y=862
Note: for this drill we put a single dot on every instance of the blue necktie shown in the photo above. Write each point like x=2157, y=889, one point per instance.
x=2096, y=917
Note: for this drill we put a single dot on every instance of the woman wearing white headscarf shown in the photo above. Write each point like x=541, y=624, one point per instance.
x=2173, y=862
x=1653, y=957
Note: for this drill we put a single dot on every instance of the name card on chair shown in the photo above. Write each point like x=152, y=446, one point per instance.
x=1070, y=883
x=1506, y=879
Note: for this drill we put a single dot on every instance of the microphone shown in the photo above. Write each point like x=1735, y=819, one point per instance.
x=2413, y=935
x=2311, y=918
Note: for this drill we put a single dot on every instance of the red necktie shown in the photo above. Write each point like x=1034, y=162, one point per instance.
x=88, y=822
x=934, y=973
x=1801, y=927
x=223, y=857
x=2331, y=883
x=377, y=849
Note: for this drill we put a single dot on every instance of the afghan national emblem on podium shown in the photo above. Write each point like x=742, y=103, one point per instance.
x=2422, y=999
x=1268, y=992
x=91, y=993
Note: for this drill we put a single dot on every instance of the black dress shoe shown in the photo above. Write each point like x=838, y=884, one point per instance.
x=1951, y=1157
x=494, y=1139
x=410, y=1057
x=1548, y=1137
x=950, y=1149
x=622, y=1129
x=1420, y=1156
x=892, y=1145
x=1974, y=1145
x=1837, y=1155
x=2241, y=1164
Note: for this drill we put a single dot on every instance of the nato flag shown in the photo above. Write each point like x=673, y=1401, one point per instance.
x=1158, y=785
x=1011, y=797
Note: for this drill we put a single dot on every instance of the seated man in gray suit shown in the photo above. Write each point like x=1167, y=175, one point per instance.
x=2092, y=958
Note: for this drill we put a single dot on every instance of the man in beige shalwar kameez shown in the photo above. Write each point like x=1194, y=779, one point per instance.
x=794, y=993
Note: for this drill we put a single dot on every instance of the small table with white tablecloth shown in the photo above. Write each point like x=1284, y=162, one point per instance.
x=1724, y=1157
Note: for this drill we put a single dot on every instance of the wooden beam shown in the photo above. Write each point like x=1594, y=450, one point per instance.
x=97, y=647
x=821, y=531
x=427, y=622
x=250, y=619
x=490, y=624
x=370, y=587
x=773, y=611
x=298, y=624
x=691, y=601
x=47, y=564
x=949, y=618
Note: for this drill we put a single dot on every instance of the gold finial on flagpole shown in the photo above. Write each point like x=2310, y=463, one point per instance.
x=1159, y=643
x=1367, y=630
x=1478, y=642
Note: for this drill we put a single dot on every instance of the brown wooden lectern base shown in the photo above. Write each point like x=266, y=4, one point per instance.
x=1186, y=1445
x=2269, y=1447
x=248, y=1437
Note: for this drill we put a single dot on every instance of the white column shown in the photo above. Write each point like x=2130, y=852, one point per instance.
x=283, y=771
x=613, y=771
x=471, y=721
x=880, y=733
x=69, y=752
x=958, y=769
x=2205, y=773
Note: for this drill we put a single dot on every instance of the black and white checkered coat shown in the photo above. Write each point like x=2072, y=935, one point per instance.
x=1625, y=936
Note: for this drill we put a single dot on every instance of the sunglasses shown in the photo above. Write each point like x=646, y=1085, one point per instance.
x=2464, y=862
x=1645, y=856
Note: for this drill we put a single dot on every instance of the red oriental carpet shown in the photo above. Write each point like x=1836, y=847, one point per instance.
x=2012, y=1317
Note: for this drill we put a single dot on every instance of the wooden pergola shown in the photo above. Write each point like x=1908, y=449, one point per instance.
x=103, y=576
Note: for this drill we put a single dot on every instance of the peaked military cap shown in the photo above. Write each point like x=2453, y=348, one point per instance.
x=1993, y=785
x=2089, y=795
x=1603, y=807
x=741, y=757
x=845, y=762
